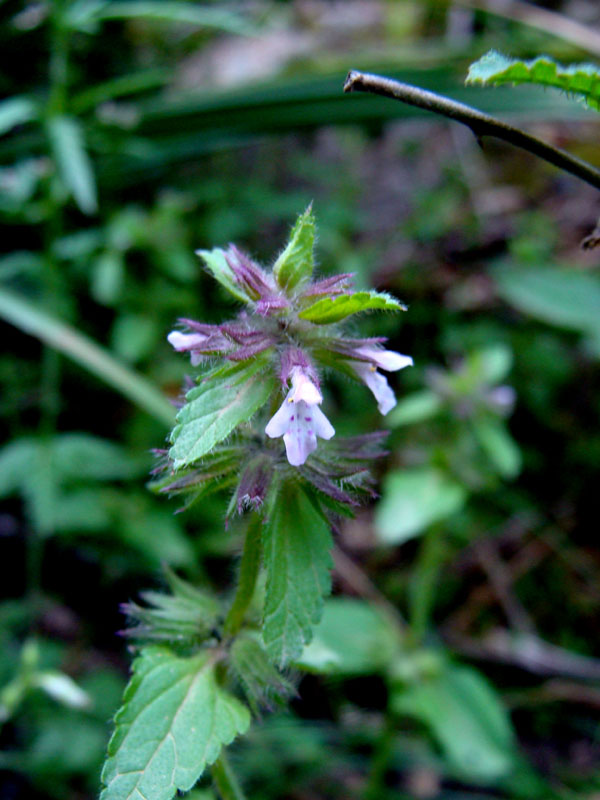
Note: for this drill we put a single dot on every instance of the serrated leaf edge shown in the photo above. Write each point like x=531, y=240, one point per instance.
x=138, y=677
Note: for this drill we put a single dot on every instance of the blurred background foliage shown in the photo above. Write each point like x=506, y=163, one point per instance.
x=458, y=657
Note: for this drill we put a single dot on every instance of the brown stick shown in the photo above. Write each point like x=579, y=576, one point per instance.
x=481, y=124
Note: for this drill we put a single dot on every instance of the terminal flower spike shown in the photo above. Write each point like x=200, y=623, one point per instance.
x=289, y=329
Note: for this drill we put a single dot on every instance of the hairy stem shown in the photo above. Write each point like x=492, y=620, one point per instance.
x=481, y=124
x=225, y=780
x=249, y=569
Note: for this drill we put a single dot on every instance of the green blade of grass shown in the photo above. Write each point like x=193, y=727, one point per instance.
x=69, y=341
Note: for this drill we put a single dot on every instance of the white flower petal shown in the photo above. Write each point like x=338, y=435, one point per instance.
x=388, y=360
x=280, y=421
x=378, y=385
x=299, y=444
x=323, y=427
x=185, y=341
x=299, y=423
x=303, y=389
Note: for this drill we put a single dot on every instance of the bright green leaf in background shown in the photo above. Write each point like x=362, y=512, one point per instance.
x=39, y=468
x=174, y=721
x=465, y=717
x=563, y=297
x=297, y=555
x=225, y=398
x=296, y=263
x=353, y=638
x=494, y=69
x=413, y=499
x=16, y=111
x=335, y=309
x=489, y=365
x=189, y=14
x=69, y=341
x=415, y=407
x=499, y=446
x=75, y=167
x=58, y=479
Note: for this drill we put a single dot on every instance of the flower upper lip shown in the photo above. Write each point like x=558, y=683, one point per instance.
x=299, y=419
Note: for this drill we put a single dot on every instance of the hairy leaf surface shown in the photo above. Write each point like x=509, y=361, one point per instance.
x=297, y=545
x=221, y=271
x=296, y=263
x=173, y=723
x=334, y=309
x=494, y=69
x=226, y=397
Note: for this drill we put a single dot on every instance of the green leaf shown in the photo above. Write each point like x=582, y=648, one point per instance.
x=353, y=638
x=296, y=263
x=108, y=277
x=15, y=111
x=80, y=456
x=261, y=682
x=221, y=271
x=494, y=69
x=562, y=297
x=500, y=447
x=185, y=617
x=334, y=309
x=74, y=165
x=296, y=545
x=132, y=83
x=467, y=719
x=490, y=364
x=178, y=12
x=226, y=397
x=412, y=499
x=416, y=407
x=173, y=723
x=15, y=462
x=88, y=354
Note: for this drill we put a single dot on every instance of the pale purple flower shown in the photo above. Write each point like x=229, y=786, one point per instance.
x=303, y=389
x=375, y=382
x=388, y=360
x=183, y=342
x=300, y=420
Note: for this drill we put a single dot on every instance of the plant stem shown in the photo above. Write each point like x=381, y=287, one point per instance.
x=481, y=124
x=375, y=785
x=58, y=67
x=423, y=586
x=249, y=569
x=224, y=777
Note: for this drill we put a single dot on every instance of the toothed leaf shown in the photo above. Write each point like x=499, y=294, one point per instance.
x=296, y=263
x=173, y=723
x=221, y=271
x=297, y=557
x=334, y=309
x=226, y=397
x=494, y=69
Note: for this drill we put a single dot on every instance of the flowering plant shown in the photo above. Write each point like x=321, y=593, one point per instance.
x=260, y=383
